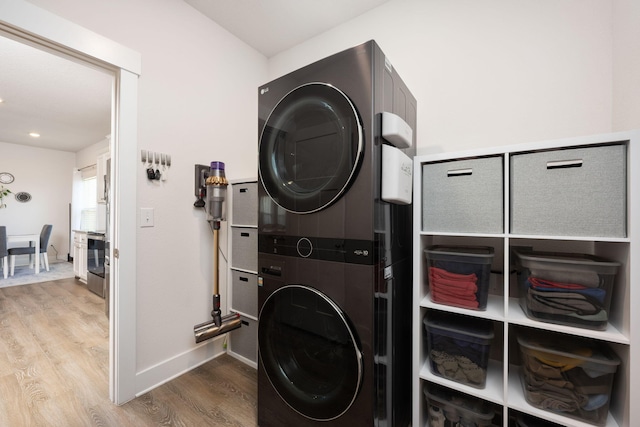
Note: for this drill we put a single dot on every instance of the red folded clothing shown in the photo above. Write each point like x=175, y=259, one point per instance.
x=542, y=284
x=459, y=281
x=453, y=288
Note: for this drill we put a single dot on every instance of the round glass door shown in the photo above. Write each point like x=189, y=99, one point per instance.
x=310, y=148
x=309, y=352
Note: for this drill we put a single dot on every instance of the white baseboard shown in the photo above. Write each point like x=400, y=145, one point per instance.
x=163, y=372
x=243, y=359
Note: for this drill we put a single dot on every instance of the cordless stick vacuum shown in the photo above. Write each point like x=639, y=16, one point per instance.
x=216, y=184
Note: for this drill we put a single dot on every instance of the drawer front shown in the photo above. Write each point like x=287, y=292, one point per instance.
x=244, y=293
x=571, y=192
x=464, y=196
x=244, y=341
x=245, y=204
x=244, y=248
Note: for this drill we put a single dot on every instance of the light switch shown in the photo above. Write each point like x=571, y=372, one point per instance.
x=146, y=217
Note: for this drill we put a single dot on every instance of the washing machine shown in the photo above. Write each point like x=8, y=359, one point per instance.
x=334, y=255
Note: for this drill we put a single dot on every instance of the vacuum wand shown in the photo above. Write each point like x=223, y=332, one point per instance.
x=216, y=190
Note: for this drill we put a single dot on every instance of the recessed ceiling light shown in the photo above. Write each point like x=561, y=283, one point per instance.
x=34, y=134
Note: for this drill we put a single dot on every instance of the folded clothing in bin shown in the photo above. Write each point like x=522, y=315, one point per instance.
x=571, y=289
x=459, y=275
x=567, y=375
x=458, y=347
x=556, y=298
x=452, y=288
x=448, y=408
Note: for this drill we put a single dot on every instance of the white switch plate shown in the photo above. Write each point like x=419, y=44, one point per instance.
x=146, y=217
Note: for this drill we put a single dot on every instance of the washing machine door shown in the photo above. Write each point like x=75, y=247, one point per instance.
x=310, y=148
x=309, y=352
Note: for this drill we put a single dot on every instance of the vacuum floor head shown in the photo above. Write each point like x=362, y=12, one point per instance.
x=208, y=330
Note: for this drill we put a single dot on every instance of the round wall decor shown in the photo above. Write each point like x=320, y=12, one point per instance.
x=23, y=197
x=6, y=178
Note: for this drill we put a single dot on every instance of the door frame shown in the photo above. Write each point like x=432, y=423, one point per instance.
x=32, y=25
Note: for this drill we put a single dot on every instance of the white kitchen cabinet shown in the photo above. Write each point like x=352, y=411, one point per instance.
x=243, y=275
x=503, y=388
x=80, y=255
x=101, y=176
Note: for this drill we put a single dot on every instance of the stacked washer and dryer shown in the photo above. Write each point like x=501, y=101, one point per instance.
x=334, y=258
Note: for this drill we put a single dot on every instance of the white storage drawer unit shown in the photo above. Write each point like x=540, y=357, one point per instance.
x=464, y=196
x=570, y=192
x=244, y=340
x=245, y=203
x=244, y=291
x=244, y=253
x=243, y=277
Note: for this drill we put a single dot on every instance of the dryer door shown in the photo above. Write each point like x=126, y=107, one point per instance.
x=309, y=352
x=310, y=148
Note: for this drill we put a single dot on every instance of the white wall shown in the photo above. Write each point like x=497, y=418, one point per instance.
x=490, y=72
x=47, y=176
x=626, y=64
x=198, y=103
x=88, y=155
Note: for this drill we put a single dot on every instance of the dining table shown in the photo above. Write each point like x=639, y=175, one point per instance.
x=21, y=238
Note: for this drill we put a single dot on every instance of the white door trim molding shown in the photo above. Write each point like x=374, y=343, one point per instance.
x=25, y=18
x=32, y=25
x=122, y=325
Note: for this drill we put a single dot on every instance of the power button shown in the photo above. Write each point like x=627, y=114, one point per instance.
x=304, y=247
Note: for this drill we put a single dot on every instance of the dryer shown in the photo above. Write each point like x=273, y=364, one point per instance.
x=334, y=259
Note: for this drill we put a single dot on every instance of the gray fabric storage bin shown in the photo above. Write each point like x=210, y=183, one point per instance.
x=570, y=192
x=244, y=290
x=244, y=340
x=463, y=196
x=244, y=248
x=245, y=203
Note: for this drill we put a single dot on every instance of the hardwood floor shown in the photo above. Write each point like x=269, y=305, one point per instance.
x=54, y=369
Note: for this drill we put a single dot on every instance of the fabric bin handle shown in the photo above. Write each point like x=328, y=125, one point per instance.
x=459, y=172
x=563, y=164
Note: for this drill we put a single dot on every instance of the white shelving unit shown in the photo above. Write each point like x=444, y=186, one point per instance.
x=503, y=388
x=243, y=274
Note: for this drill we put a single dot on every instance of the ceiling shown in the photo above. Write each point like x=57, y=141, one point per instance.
x=69, y=104
x=271, y=26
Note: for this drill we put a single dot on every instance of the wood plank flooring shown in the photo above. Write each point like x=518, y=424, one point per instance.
x=54, y=359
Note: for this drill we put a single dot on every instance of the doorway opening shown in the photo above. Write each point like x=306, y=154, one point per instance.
x=31, y=25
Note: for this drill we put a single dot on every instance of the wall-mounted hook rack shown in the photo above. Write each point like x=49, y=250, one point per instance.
x=153, y=160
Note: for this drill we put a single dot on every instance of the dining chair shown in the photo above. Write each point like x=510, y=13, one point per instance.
x=4, y=253
x=45, y=234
